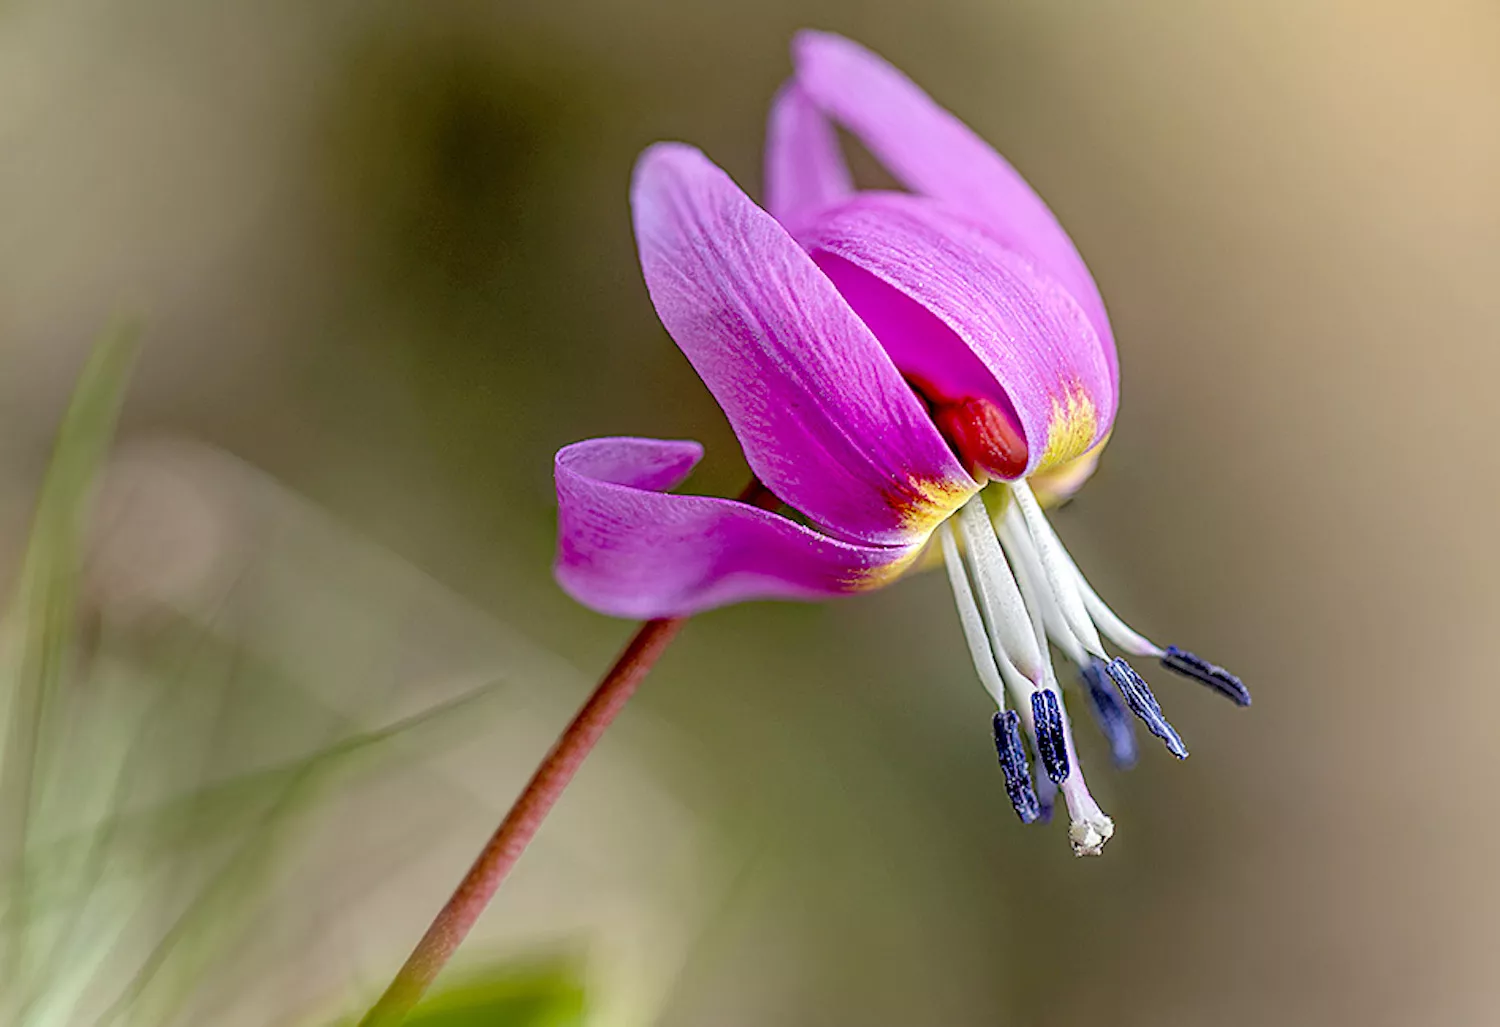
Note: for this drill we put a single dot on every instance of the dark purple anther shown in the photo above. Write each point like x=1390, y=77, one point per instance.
x=1114, y=723
x=1046, y=798
x=1013, y=764
x=1200, y=670
x=1051, y=743
x=1143, y=704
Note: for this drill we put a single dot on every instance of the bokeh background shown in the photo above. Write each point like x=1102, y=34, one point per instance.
x=383, y=256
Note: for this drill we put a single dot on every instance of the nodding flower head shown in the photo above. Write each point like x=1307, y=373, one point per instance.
x=885, y=359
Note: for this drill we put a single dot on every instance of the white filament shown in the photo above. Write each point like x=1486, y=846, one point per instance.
x=999, y=595
x=1017, y=543
x=980, y=650
x=1059, y=571
x=1114, y=629
x=1089, y=827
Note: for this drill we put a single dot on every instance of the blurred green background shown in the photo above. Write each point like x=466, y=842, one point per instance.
x=383, y=254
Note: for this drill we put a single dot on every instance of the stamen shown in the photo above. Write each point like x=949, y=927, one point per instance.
x=1098, y=612
x=1046, y=797
x=1007, y=726
x=1200, y=670
x=1050, y=744
x=1106, y=620
x=1017, y=544
x=1088, y=826
x=1114, y=723
x=1144, y=705
x=1058, y=570
x=1005, y=612
x=980, y=650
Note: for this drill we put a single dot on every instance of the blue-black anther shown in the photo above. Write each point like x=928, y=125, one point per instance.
x=1143, y=704
x=1051, y=743
x=1046, y=798
x=1114, y=722
x=1013, y=763
x=1196, y=667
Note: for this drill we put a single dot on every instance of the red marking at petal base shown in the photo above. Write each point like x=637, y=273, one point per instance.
x=984, y=438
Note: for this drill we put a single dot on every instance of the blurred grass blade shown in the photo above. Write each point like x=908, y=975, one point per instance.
x=41, y=626
x=275, y=797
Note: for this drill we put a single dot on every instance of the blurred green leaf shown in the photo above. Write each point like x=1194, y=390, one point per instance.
x=512, y=994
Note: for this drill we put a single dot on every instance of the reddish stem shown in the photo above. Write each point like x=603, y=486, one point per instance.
x=500, y=853
x=520, y=825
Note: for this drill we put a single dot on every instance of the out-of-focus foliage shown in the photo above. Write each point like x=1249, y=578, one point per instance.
x=143, y=820
x=510, y=995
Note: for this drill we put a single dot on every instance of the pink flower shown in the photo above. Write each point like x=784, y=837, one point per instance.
x=882, y=358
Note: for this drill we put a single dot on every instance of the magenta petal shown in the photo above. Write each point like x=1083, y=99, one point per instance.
x=825, y=419
x=934, y=153
x=805, y=171
x=629, y=549
x=968, y=317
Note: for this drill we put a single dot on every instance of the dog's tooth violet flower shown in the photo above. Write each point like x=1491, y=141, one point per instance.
x=882, y=357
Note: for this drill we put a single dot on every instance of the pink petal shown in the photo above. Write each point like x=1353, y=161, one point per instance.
x=805, y=171
x=932, y=152
x=824, y=417
x=629, y=549
x=969, y=318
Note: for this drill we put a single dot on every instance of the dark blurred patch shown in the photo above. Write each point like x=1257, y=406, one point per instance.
x=461, y=168
x=439, y=151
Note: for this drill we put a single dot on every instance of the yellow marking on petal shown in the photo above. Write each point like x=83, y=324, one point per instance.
x=1071, y=429
x=1057, y=484
x=923, y=505
x=878, y=577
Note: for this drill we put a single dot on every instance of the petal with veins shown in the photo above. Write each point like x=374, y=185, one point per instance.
x=628, y=548
x=825, y=419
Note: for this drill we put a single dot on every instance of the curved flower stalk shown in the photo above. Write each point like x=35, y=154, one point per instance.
x=883, y=357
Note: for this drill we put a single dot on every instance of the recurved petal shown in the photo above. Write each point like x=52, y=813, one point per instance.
x=934, y=153
x=805, y=171
x=825, y=418
x=970, y=318
x=628, y=548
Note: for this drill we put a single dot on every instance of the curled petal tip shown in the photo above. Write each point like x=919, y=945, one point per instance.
x=628, y=547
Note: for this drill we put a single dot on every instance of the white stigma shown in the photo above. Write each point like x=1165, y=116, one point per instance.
x=1089, y=834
